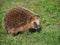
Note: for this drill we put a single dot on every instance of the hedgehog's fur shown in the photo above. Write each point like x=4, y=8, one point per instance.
x=18, y=19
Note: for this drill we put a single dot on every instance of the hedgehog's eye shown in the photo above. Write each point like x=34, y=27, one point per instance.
x=35, y=24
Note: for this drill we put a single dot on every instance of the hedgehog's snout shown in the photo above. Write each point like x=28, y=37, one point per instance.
x=36, y=26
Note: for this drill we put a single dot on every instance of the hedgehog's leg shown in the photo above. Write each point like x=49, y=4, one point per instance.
x=27, y=31
x=12, y=31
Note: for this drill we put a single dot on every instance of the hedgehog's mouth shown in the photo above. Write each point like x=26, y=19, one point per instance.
x=36, y=26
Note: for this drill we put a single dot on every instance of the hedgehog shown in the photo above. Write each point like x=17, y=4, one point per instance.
x=20, y=19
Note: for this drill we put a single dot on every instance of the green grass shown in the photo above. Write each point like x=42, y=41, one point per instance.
x=49, y=12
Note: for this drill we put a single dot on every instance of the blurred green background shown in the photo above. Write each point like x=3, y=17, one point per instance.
x=49, y=12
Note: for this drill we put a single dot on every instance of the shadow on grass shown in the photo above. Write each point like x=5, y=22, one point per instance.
x=35, y=30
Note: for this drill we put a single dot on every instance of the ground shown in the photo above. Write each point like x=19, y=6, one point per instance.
x=49, y=12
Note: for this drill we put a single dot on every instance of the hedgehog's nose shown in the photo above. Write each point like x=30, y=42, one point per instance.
x=38, y=26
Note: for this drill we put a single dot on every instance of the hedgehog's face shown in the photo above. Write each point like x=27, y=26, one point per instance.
x=35, y=22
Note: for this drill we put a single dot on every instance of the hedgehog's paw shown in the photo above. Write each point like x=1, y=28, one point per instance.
x=12, y=32
x=27, y=31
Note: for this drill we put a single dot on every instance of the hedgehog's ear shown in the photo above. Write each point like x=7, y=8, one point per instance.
x=37, y=15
